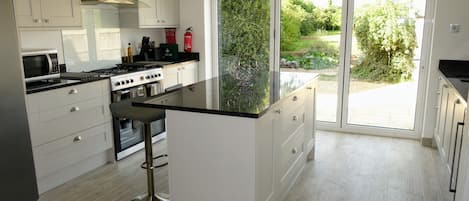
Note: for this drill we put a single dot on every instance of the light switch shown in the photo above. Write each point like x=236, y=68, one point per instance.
x=454, y=28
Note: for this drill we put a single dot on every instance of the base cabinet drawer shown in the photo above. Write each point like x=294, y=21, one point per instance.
x=291, y=122
x=291, y=151
x=64, y=96
x=59, y=154
x=57, y=123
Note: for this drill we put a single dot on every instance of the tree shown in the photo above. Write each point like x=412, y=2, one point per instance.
x=291, y=18
x=386, y=36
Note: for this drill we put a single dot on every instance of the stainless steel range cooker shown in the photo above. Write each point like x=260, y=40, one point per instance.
x=127, y=82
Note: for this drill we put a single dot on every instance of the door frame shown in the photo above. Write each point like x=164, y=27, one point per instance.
x=341, y=124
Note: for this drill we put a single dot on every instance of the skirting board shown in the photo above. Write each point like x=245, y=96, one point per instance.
x=428, y=142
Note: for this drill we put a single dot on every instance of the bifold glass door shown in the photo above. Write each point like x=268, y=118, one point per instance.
x=368, y=55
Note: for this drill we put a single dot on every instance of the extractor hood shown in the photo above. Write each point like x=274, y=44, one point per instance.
x=122, y=2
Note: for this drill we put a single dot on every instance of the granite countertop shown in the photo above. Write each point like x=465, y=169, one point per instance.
x=71, y=78
x=46, y=85
x=227, y=95
x=457, y=74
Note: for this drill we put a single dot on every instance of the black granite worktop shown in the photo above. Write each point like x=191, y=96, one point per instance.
x=456, y=72
x=57, y=83
x=226, y=95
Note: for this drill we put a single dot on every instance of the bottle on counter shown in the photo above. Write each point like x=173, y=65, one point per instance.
x=130, y=57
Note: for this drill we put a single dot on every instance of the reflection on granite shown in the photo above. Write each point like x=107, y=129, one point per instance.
x=228, y=95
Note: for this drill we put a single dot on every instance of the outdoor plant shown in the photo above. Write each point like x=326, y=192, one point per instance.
x=291, y=19
x=386, y=36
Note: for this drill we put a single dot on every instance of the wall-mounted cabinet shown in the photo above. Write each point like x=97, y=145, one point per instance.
x=48, y=13
x=151, y=14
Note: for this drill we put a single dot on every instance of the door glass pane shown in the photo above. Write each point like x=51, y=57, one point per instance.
x=310, y=42
x=384, y=63
x=244, y=52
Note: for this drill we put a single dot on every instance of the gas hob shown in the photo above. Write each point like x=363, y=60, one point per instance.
x=130, y=75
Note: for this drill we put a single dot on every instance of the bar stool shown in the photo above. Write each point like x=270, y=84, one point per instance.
x=124, y=109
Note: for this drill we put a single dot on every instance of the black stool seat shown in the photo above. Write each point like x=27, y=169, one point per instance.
x=124, y=109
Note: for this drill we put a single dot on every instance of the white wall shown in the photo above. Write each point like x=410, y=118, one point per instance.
x=43, y=39
x=445, y=45
x=197, y=14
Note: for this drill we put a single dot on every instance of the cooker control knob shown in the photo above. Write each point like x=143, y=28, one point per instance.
x=131, y=80
x=148, y=77
x=122, y=82
x=118, y=83
x=142, y=78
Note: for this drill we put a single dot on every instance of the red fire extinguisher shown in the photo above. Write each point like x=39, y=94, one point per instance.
x=188, y=40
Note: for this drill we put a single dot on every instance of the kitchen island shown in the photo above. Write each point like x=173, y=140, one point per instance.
x=235, y=138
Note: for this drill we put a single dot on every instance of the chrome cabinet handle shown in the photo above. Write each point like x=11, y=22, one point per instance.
x=163, y=21
x=457, y=102
x=295, y=118
x=75, y=109
x=36, y=20
x=294, y=151
x=295, y=98
x=46, y=20
x=309, y=88
x=278, y=111
x=158, y=21
x=77, y=139
x=73, y=91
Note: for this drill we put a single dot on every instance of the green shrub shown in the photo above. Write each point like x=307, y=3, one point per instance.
x=386, y=36
x=291, y=18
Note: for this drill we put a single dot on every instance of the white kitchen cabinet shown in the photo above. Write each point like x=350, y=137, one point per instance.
x=462, y=192
x=450, y=134
x=71, y=131
x=259, y=157
x=185, y=73
x=450, y=113
x=48, y=13
x=151, y=14
x=189, y=72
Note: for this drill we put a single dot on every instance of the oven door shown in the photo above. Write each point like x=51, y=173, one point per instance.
x=129, y=134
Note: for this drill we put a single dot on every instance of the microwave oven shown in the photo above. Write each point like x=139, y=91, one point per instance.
x=40, y=64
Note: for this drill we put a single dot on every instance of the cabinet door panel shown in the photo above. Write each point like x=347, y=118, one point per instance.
x=169, y=14
x=189, y=73
x=455, y=140
x=148, y=12
x=441, y=116
x=61, y=13
x=170, y=76
x=448, y=128
x=28, y=13
x=462, y=194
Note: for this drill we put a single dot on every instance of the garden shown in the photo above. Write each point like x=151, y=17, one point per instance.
x=384, y=33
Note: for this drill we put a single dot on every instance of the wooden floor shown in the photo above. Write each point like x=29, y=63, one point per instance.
x=347, y=168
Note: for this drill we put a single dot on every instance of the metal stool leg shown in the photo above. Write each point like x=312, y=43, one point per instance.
x=151, y=195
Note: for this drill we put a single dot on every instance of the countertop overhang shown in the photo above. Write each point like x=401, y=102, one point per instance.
x=227, y=95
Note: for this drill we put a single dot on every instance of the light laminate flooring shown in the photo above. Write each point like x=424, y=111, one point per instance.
x=347, y=168
x=366, y=168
